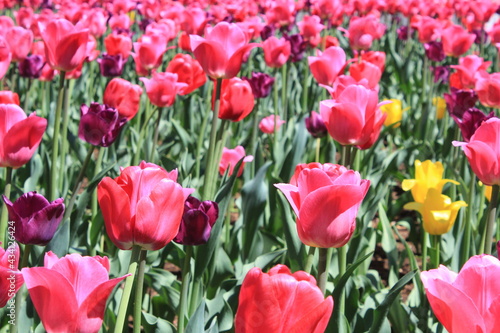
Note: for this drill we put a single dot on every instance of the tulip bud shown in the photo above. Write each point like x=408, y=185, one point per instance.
x=197, y=221
x=268, y=124
x=403, y=33
x=261, y=84
x=434, y=51
x=441, y=73
x=111, y=65
x=31, y=67
x=315, y=125
x=100, y=124
x=35, y=218
x=458, y=101
x=298, y=46
x=267, y=32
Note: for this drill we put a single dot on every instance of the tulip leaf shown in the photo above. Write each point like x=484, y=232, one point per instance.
x=153, y=324
x=340, y=284
x=383, y=309
x=60, y=242
x=388, y=240
x=196, y=323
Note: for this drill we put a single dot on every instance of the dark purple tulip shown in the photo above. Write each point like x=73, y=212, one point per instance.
x=481, y=36
x=403, y=32
x=315, y=125
x=434, y=51
x=261, y=84
x=197, y=221
x=31, y=67
x=471, y=119
x=457, y=101
x=143, y=24
x=100, y=124
x=441, y=73
x=267, y=32
x=111, y=65
x=298, y=46
x=35, y=219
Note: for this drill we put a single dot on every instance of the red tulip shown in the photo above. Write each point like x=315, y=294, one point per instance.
x=65, y=44
x=221, y=53
x=375, y=57
x=162, y=88
x=9, y=97
x=354, y=117
x=118, y=44
x=19, y=135
x=70, y=293
x=236, y=100
x=327, y=65
x=276, y=51
x=188, y=71
x=143, y=206
x=280, y=302
x=456, y=40
x=467, y=69
x=10, y=276
x=326, y=199
x=476, y=288
x=5, y=57
x=231, y=157
x=123, y=96
x=488, y=89
x=483, y=151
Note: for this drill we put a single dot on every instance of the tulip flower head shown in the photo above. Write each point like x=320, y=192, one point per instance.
x=75, y=288
x=476, y=288
x=281, y=301
x=142, y=206
x=197, y=221
x=35, y=218
x=440, y=104
x=276, y=51
x=261, y=84
x=315, y=125
x=123, y=96
x=236, y=100
x=427, y=175
x=163, y=88
x=31, y=66
x=327, y=65
x=111, y=65
x=11, y=277
x=458, y=101
x=231, y=157
x=268, y=124
x=9, y=97
x=188, y=71
x=325, y=199
x=470, y=121
x=100, y=124
x=394, y=111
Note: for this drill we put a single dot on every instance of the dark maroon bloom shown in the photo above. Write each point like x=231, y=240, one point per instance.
x=267, y=32
x=481, y=36
x=434, y=51
x=35, y=219
x=197, y=221
x=31, y=67
x=111, y=65
x=100, y=124
x=261, y=84
x=298, y=46
x=471, y=119
x=441, y=73
x=460, y=100
x=403, y=32
x=315, y=125
x=143, y=24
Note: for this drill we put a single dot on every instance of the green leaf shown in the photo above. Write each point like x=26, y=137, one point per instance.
x=197, y=322
x=154, y=324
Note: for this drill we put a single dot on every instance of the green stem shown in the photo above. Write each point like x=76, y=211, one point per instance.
x=322, y=269
x=21, y=294
x=129, y=282
x=318, y=148
x=97, y=169
x=491, y=215
x=26, y=255
x=155, y=137
x=4, y=219
x=139, y=291
x=255, y=129
x=424, y=250
x=186, y=276
x=342, y=257
x=138, y=149
x=310, y=259
x=195, y=297
x=345, y=159
x=55, y=140
x=437, y=247
x=284, y=100
x=64, y=132
x=26, y=104
x=201, y=138
x=468, y=222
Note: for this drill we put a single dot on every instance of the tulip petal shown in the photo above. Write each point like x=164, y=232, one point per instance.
x=234, y=63
x=212, y=58
x=345, y=123
x=292, y=195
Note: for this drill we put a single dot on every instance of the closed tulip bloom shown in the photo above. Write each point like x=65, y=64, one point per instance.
x=111, y=65
x=428, y=175
x=375, y=57
x=118, y=44
x=100, y=124
x=10, y=276
x=434, y=51
x=276, y=51
x=231, y=157
x=326, y=200
x=20, y=41
x=5, y=57
x=366, y=70
x=221, y=53
x=483, y=151
x=35, y=218
x=327, y=65
x=261, y=84
x=315, y=125
x=298, y=47
x=456, y=40
x=466, y=71
x=354, y=118
x=440, y=104
x=9, y=97
x=268, y=123
x=65, y=44
x=188, y=71
x=476, y=288
x=163, y=88
x=197, y=221
x=31, y=67
x=394, y=111
x=75, y=288
x=364, y=30
x=19, y=135
x=438, y=211
x=143, y=206
x=488, y=89
x=123, y=96
x=458, y=101
x=236, y=101
x=149, y=53
x=281, y=301
x=310, y=28
x=470, y=121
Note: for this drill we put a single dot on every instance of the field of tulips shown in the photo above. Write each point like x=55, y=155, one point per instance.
x=249, y=166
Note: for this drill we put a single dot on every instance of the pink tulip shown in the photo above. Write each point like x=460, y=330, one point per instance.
x=310, y=28
x=429, y=29
x=237, y=100
x=327, y=65
x=19, y=135
x=366, y=70
x=483, y=151
x=118, y=44
x=276, y=51
x=467, y=301
x=163, y=88
x=488, y=89
x=364, y=30
x=70, y=293
x=231, y=157
x=10, y=276
x=456, y=40
x=375, y=57
x=65, y=44
x=267, y=124
x=326, y=199
x=466, y=71
x=5, y=57
x=221, y=53
x=20, y=41
x=354, y=118
x=148, y=53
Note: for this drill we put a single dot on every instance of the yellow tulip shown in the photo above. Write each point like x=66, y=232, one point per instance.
x=394, y=112
x=427, y=175
x=440, y=105
x=438, y=212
